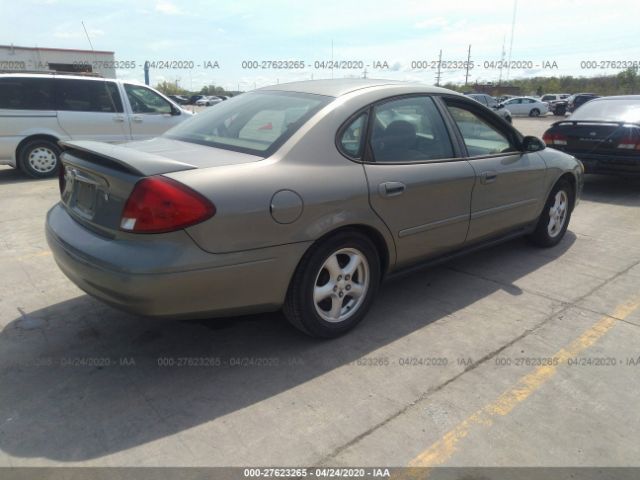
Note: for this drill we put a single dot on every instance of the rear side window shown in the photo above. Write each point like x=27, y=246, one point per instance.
x=87, y=96
x=352, y=137
x=408, y=130
x=26, y=93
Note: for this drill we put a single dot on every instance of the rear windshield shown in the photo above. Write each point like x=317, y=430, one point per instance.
x=609, y=111
x=256, y=122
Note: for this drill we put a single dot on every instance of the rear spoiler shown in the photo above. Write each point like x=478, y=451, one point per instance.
x=135, y=161
x=593, y=122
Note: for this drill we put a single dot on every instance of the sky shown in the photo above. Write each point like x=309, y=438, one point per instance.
x=550, y=37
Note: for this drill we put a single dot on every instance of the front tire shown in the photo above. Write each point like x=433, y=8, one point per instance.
x=554, y=220
x=40, y=158
x=334, y=285
x=534, y=112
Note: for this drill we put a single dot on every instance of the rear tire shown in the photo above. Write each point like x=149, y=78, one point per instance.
x=334, y=285
x=554, y=219
x=40, y=158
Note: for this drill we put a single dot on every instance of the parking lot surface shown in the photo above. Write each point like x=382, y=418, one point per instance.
x=508, y=356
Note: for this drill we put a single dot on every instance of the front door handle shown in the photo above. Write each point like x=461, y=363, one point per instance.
x=391, y=189
x=118, y=118
x=137, y=118
x=488, y=177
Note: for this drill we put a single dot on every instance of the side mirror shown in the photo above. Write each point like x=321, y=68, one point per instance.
x=532, y=144
x=175, y=111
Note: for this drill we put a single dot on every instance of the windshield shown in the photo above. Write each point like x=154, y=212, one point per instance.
x=610, y=111
x=256, y=123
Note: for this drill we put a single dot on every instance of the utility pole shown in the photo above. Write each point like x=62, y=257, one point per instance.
x=332, y=58
x=513, y=26
x=501, y=61
x=466, y=76
x=438, y=74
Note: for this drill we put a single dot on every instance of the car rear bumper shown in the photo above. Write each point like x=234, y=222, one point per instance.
x=608, y=164
x=172, y=277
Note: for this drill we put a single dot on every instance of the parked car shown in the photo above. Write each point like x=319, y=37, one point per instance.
x=39, y=110
x=208, y=101
x=578, y=99
x=194, y=98
x=179, y=99
x=526, y=106
x=492, y=103
x=604, y=134
x=552, y=97
x=302, y=196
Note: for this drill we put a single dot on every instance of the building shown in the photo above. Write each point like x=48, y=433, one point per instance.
x=38, y=59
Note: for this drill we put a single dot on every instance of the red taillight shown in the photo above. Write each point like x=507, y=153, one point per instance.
x=629, y=143
x=61, y=180
x=554, y=138
x=159, y=204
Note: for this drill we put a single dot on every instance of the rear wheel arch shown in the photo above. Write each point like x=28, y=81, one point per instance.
x=301, y=305
x=30, y=138
x=371, y=233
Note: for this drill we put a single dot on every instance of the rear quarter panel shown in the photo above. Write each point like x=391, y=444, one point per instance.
x=333, y=190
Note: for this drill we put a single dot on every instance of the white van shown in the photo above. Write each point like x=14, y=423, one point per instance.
x=37, y=110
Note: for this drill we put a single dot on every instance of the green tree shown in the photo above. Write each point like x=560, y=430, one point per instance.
x=628, y=80
x=212, y=90
x=170, y=88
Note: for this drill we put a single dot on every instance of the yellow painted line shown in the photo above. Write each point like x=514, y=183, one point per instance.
x=443, y=449
x=34, y=255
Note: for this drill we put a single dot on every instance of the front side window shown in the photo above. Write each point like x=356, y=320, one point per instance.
x=480, y=137
x=18, y=93
x=407, y=130
x=256, y=122
x=352, y=138
x=87, y=96
x=143, y=100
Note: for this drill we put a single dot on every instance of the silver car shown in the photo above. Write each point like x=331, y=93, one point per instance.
x=39, y=110
x=301, y=196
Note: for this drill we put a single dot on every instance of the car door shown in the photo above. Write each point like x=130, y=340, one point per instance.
x=510, y=184
x=417, y=186
x=150, y=114
x=515, y=106
x=90, y=109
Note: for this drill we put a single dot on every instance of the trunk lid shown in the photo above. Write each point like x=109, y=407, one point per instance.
x=99, y=177
x=596, y=137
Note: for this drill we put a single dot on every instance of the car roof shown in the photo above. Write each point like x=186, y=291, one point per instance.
x=342, y=86
x=617, y=97
x=56, y=75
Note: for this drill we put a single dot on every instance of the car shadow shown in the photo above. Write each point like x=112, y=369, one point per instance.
x=80, y=380
x=612, y=189
x=10, y=175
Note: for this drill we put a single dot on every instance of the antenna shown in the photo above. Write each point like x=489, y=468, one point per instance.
x=88, y=38
x=438, y=74
x=106, y=85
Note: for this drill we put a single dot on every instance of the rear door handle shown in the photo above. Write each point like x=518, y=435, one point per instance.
x=137, y=118
x=118, y=118
x=488, y=177
x=391, y=189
